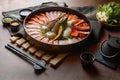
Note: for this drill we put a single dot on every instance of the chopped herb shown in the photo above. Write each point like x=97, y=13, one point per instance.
x=7, y=20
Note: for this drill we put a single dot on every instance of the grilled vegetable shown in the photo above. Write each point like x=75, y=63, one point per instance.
x=63, y=22
x=59, y=33
x=49, y=25
x=56, y=27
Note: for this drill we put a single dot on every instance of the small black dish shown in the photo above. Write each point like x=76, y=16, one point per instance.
x=6, y=21
x=110, y=49
x=24, y=12
x=14, y=26
x=87, y=59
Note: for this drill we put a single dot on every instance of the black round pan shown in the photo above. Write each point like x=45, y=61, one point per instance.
x=52, y=47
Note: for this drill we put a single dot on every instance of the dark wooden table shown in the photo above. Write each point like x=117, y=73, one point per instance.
x=14, y=68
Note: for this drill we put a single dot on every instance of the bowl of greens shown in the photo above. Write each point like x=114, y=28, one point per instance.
x=109, y=15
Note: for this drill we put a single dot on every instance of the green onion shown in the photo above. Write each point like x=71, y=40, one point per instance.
x=112, y=11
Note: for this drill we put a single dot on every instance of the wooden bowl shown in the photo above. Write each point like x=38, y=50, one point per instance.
x=106, y=25
x=110, y=26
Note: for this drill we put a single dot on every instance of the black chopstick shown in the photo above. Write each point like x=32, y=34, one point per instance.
x=23, y=55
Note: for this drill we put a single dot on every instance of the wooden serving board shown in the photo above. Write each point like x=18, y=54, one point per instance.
x=53, y=59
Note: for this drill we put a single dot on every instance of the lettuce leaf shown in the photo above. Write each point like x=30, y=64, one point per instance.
x=112, y=10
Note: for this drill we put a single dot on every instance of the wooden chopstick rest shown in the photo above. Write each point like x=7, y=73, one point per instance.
x=58, y=59
x=20, y=41
x=32, y=50
x=47, y=57
x=39, y=53
x=26, y=45
x=13, y=39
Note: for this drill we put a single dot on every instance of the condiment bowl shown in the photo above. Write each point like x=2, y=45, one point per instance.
x=14, y=26
x=24, y=12
x=6, y=21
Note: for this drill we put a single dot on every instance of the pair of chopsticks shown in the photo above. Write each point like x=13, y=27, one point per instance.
x=24, y=56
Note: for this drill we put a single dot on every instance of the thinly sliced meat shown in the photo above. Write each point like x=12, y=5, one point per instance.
x=82, y=36
x=51, y=41
x=75, y=17
x=80, y=39
x=33, y=33
x=37, y=16
x=44, y=15
x=83, y=32
x=33, y=30
x=86, y=28
x=33, y=26
x=73, y=40
x=37, y=20
x=63, y=42
x=48, y=15
x=40, y=38
x=83, y=27
x=55, y=13
x=59, y=13
x=56, y=42
x=35, y=36
x=42, y=18
x=51, y=15
x=45, y=40
x=70, y=17
x=33, y=22
x=80, y=21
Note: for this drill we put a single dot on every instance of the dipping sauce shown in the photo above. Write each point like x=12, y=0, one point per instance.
x=24, y=12
x=14, y=23
x=14, y=26
x=6, y=21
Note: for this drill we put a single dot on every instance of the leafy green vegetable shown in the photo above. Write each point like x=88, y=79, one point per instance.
x=63, y=22
x=65, y=38
x=112, y=11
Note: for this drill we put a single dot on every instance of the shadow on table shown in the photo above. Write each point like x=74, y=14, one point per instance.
x=91, y=70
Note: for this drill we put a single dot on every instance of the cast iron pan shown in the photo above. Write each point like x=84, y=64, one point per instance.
x=52, y=47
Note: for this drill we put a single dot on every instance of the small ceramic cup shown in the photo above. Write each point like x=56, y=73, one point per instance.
x=87, y=59
x=24, y=12
x=6, y=21
x=15, y=26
